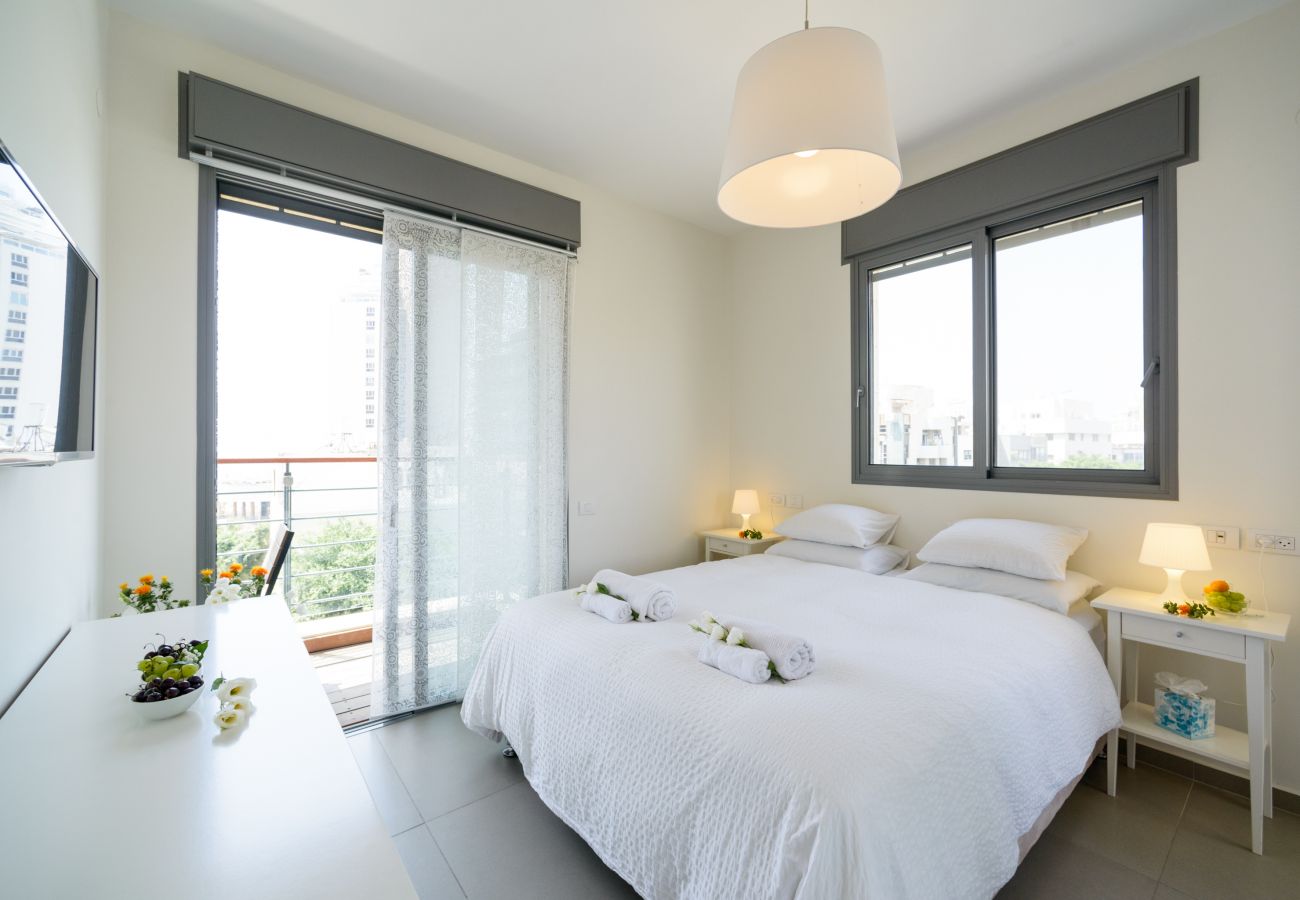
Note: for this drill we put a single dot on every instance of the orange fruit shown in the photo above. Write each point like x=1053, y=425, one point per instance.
x=1216, y=586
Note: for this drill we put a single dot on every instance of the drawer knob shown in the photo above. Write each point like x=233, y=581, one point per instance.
x=1178, y=634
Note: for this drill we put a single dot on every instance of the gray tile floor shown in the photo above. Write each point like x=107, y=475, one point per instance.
x=467, y=824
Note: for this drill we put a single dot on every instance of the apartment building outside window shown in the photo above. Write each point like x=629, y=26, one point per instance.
x=7, y=412
x=19, y=278
x=16, y=315
x=18, y=260
x=8, y=354
x=15, y=335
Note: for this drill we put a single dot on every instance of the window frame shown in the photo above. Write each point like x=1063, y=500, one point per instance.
x=1155, y=186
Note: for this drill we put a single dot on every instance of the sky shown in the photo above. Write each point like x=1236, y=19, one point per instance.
x=289, y=352
x=1068, y=323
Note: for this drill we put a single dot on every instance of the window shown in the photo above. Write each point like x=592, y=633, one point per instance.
x=19, y=278
x=16, y=315
x=370, y=353
x=6, y=412
x=370, y=422
x=1023, y=353
x=370, y=324
x=17, y=298
x=370, y=381
x=8, y=393
x=370, y=367
x=11, y=355
x=18, y=260
x=921, y=375
x=370, y=409
x=15, y=335
x=370, y=395
x=8, y=373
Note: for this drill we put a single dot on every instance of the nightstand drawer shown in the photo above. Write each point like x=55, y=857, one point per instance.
x=722, y=545
x=1177, y=633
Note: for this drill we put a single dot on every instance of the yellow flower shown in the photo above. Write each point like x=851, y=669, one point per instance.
x=125, y=586
x=163, y=579
x=206, y=573
x=236, y=568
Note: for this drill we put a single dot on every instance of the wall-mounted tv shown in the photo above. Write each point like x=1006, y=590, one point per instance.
x=48, y=297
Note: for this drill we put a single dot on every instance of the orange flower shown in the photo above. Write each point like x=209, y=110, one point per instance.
x=259, y=572
x=235, y=567
x=142, y=590
x=226, y=575
x=146, y=579
x=206, y=573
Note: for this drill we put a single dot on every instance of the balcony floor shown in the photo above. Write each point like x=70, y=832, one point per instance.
x=345, y=674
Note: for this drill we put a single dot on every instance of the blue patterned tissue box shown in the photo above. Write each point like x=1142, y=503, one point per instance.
x=1188, y=716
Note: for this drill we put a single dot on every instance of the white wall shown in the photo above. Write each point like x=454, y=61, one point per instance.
x=1239, y=310
x=648, y=383
x=52, y=70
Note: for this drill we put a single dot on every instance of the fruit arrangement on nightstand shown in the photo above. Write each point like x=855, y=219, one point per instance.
x=1220, y=595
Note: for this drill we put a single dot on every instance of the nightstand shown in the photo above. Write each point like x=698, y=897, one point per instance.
x=1137, y=617
x=726, y=543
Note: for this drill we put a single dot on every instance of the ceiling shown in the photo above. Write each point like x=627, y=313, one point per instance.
x=634, y=97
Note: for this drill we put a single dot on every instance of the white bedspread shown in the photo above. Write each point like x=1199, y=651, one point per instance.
x=931, y=736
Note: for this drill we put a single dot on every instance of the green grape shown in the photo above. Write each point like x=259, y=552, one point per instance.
x=189, y=669
x=172, y=673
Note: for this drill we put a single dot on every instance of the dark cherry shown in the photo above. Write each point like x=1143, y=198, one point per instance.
x=195, y=681
x=156, y=682
x=183, y=688
x=166, y=650
x=151, y=654
x=171, y=692
x=168, y=682
x=152, y=697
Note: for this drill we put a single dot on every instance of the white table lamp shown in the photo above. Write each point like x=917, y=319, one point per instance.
x=1176, y=549
x=745, y=505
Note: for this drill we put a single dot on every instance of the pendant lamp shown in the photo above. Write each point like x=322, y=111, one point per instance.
x=811, y=139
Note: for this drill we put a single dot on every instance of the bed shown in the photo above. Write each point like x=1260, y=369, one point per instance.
x=937, y=736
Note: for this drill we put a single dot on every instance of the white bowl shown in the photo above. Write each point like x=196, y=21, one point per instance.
x=165, y=709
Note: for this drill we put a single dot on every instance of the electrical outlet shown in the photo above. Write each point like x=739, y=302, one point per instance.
x=586, y=507
x=776, y=500
x=1271, y=542
x=1222, y=537
x=794, y=501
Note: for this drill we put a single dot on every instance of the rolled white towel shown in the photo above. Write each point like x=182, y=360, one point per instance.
x=650, y=599
x=607, y=607
x=792, y=655
x=744, y=663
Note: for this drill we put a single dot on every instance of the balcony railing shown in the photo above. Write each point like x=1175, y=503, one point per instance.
x=331, y=566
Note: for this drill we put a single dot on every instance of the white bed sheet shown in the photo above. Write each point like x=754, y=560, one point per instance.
x=1082, y=614
x=931, y=737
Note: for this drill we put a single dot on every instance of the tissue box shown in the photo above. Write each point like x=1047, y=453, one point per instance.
x=1189, y=717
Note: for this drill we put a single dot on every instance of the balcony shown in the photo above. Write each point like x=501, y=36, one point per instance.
x=331, y=503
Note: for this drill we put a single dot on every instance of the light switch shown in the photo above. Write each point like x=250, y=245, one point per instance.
x=794, y=501
x=586, y=507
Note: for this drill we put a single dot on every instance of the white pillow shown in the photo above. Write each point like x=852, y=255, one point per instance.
x=1057, y=596
x=877, y=559
x=1032, y=549
x=839, y=523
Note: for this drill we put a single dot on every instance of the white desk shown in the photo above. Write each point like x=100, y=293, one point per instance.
x=1137, y=616
x=98, y=802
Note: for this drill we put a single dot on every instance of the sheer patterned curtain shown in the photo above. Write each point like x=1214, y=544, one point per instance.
x=472, y=449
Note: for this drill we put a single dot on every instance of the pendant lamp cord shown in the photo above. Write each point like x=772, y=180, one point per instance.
x=805, y=15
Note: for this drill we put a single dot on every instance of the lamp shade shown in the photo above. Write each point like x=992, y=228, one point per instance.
x=811, y=138
x=1170, y=546
x=745, y=503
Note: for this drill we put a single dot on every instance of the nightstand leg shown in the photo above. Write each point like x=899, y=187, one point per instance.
x=1115, y=664
x=1130, y=665
x=1268, y=733
x=1256, y=705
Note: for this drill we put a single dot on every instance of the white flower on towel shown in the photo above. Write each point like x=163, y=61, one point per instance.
x=718, y=633
x=695, y=625
x=708, y=618
x=735, y=636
